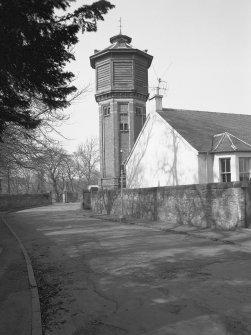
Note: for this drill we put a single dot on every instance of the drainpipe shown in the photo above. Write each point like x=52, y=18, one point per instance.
x=244, y=187
x=121, y=186
x=206, y=167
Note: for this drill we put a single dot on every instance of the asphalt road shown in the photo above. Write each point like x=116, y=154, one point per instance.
x=99, y=277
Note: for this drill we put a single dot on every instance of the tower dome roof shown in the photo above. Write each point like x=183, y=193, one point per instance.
x=119, y=44
x=121, y=40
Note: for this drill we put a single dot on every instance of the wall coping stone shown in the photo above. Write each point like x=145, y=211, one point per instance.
x=200, y=187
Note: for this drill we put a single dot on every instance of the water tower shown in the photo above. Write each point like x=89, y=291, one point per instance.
x=121, y=92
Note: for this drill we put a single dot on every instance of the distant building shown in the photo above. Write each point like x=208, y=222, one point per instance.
x=121, y=92
x=180, y=147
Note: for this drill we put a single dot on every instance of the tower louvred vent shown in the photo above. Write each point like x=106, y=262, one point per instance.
x=122, y=73
x=103, y=76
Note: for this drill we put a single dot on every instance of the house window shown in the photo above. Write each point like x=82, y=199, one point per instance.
x=123, y=109
x=244, y=168
x=225, y=170
x=123, y=126
x=106, y=110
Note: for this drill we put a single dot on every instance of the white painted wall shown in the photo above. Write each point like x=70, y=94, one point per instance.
x=206, y=162
x=161, y=157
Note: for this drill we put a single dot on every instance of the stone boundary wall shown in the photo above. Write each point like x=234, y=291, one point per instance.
x=217, y=205
x=21, y=201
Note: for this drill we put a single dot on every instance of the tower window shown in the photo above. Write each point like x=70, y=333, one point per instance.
x=139, y=111
x=123, y=109
x=106, y=110
x=124, y=127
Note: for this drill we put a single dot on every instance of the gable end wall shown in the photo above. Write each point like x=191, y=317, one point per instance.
x=161, y=157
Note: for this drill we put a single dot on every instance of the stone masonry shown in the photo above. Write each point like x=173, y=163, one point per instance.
x=220, y=205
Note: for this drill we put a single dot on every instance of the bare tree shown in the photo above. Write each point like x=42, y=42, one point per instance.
x=71, y=174
x=52, y=163
x=87, y=159
x=22, y=149
x=32, y=163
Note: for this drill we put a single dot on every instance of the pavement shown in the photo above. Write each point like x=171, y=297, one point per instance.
x=16, y=295
x=234, y=237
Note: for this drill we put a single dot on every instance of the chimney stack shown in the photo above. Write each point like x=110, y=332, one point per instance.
x=158, y=101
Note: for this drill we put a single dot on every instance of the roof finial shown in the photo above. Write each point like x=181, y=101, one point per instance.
x=120, y=26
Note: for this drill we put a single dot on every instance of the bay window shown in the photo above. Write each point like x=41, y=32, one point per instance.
x=244, y=168
x=225, y=170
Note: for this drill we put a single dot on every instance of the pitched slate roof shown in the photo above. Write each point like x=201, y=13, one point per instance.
x=199, y=129
x=227, y=142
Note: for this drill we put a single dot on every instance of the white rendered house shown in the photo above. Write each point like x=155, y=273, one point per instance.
x=182, y=147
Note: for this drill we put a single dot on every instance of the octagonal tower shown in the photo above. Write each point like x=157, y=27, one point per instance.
x=121, y=92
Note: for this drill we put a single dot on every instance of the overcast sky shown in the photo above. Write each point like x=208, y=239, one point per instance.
x=201, y=49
